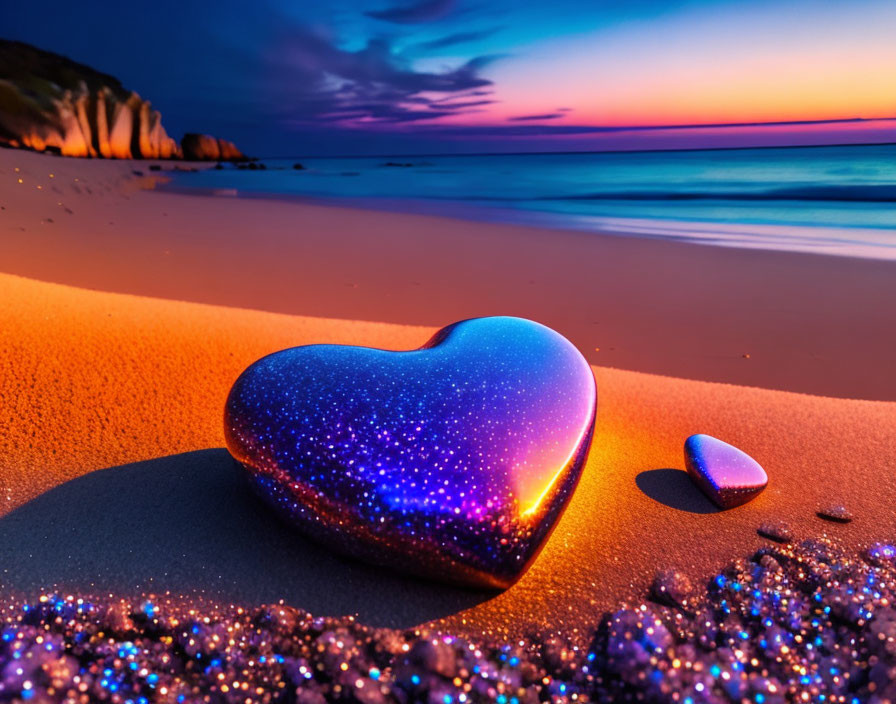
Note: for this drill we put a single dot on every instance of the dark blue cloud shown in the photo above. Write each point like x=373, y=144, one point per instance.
x=543, y=116
x=323, y=82
x=464, y=105
x=455, y=39
x=414, y=13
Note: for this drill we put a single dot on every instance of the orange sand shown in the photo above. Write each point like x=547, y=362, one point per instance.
x=93, y=380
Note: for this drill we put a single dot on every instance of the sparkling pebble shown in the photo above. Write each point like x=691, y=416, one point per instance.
x=814, y=624
x=671, y=587
x=881, y=554
x=727, y=475
x=835, y=512
x=778, y=531
x=453, y=461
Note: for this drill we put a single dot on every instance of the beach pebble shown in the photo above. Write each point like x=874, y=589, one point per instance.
x=881, y=554
x=741, y=640
x=727, y=475
x=835, y=512
x=433, y=656
x=778, y=531
x=671, y=588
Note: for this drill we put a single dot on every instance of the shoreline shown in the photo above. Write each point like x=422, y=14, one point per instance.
x=714, y=234
x=791, y=321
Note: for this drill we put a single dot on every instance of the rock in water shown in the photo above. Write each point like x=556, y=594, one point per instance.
x=204, y=147
x=453, y=461
x=728, y=476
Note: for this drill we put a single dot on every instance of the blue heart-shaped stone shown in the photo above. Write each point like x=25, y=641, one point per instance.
x=453, y=461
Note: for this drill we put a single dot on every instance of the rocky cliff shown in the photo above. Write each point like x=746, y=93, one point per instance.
x=51, y=103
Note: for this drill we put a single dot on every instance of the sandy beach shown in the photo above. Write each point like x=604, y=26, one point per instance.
x=809, y=323
x=128, y=313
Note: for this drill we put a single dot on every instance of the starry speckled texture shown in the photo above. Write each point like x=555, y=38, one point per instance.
x=806, y=623
x=726, y=474
x=453, y=461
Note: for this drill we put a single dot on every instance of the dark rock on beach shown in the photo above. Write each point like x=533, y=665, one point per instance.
x=836, y=512
x=778, y=531
x=671, y=588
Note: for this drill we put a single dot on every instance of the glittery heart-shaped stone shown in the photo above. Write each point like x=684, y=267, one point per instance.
x=728, y=476
x=453, y=461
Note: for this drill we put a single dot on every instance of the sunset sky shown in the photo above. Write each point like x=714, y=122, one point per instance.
x=396, y=76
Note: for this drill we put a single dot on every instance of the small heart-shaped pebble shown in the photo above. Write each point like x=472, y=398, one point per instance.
x=728, y=476
x=453, y=461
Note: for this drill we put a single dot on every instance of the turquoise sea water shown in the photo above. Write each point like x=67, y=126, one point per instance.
x=833, y=200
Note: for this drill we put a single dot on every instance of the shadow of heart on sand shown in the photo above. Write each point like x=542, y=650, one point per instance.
x=189, y=523
x=674, y=488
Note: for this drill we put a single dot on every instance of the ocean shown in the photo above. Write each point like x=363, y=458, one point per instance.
x=838, y=200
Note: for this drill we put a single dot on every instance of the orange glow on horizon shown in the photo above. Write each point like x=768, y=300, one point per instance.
x=728, y=68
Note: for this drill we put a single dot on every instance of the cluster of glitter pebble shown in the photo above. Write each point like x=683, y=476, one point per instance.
x=795, y=623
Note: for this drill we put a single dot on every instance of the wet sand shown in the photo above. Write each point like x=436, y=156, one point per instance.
x=814, y=324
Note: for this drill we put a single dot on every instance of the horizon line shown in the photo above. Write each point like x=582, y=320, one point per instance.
x=586, y=151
